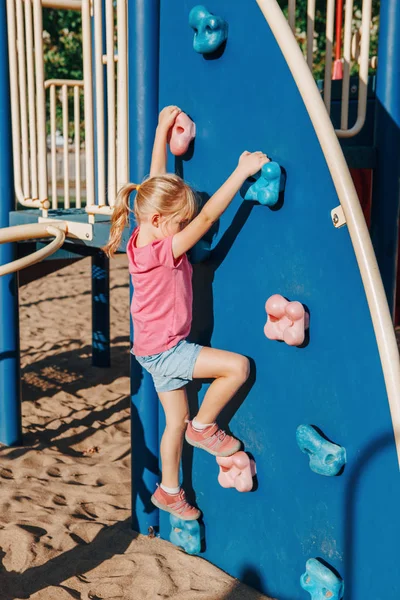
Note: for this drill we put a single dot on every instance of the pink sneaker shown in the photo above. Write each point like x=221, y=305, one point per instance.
x=213, y=440
x=175, y=504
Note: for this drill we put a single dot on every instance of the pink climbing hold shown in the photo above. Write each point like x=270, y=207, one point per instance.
x=236, y=471
x=181, y=134
x=287, y=321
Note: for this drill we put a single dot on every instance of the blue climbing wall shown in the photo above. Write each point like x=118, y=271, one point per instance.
x=245, y=99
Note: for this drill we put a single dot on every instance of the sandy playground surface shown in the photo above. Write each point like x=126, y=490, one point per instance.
x=65, y=496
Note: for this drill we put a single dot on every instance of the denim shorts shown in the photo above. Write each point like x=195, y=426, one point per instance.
x=172, y=369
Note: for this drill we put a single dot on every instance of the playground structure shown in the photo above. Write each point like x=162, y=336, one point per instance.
x=342, y=381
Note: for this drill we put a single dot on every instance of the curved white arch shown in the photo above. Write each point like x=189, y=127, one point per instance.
x=347, y=194
x=30, y=232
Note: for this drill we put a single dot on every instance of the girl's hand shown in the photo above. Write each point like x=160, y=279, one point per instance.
x=167, y=117
x=251, y=162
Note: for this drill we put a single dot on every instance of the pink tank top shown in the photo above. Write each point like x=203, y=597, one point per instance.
x=162, y=296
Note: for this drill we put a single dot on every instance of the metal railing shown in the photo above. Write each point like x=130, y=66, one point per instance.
x=60, y=90
x=115, y=104
x=356, y=50
x=105, y=139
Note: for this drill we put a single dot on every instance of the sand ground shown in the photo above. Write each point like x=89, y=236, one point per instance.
x=65, y=495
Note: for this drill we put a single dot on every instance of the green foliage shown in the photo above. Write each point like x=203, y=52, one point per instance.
x=62, y=44
x=62, y=40
x=320, y=24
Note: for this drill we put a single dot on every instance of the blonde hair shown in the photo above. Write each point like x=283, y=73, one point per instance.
x=167, y=195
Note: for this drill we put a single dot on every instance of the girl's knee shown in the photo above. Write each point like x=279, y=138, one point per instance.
x=241, y=368
x=245, y=368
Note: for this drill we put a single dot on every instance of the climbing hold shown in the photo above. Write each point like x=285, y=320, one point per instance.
x=287, y=321
x=181, y=134
x=320, y=582
x=236, y=471
x=326, y=458
x=210, y=31
x=269, y=184
x=186, y=534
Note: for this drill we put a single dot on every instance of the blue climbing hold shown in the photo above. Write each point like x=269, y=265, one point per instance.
x=186, y=534
x=326, y=458
x=210, y=31
x=320, y=582
x=269, y=184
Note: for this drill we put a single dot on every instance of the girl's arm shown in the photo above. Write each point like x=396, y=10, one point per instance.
x=166, y=120
x=249, y=164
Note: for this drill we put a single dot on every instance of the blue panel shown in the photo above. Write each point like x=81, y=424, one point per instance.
x=10, y=409
x=246, y=100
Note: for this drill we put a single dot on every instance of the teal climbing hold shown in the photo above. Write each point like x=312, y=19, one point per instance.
x=270, y=182
x=210, y=31
x=326, y=458
x=320, y=582
x=187, y=535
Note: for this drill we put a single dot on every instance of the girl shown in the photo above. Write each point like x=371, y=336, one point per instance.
x=167, y=227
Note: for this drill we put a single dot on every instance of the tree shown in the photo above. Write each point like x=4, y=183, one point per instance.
x=62, y=41
x=319, y=34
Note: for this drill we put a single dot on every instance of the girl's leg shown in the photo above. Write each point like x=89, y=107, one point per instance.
x=229, y=371
x=173, y=501
x=175, y=406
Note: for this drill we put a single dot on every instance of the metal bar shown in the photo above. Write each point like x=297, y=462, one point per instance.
x=63, y=4
x=77, y=129
x=105, y=59
x=363, y=73
x=100, y=310
x=61, y=82
x=348, y=20
x=40, y=99
x=95, y=209
x=310, y=32
x=88, y=102
x=31, y=98
x=99, y=94
x=10, y=392
x=66, y=145
x=54, y=199
x=31, y=231
x=339, y=25
x=375, y=293
x=143, y=41
x=330, y=20
x=292, y=15
x=386, y=190
x=122, y=88
x=22, y=99
x=112, y=181
x=15, y=113
x=14, y=93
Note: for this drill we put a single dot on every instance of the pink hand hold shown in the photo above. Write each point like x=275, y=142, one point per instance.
x=181, y=134
x=236, y=471
x=287, y=321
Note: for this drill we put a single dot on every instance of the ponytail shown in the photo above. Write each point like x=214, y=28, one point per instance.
x=119, y=218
